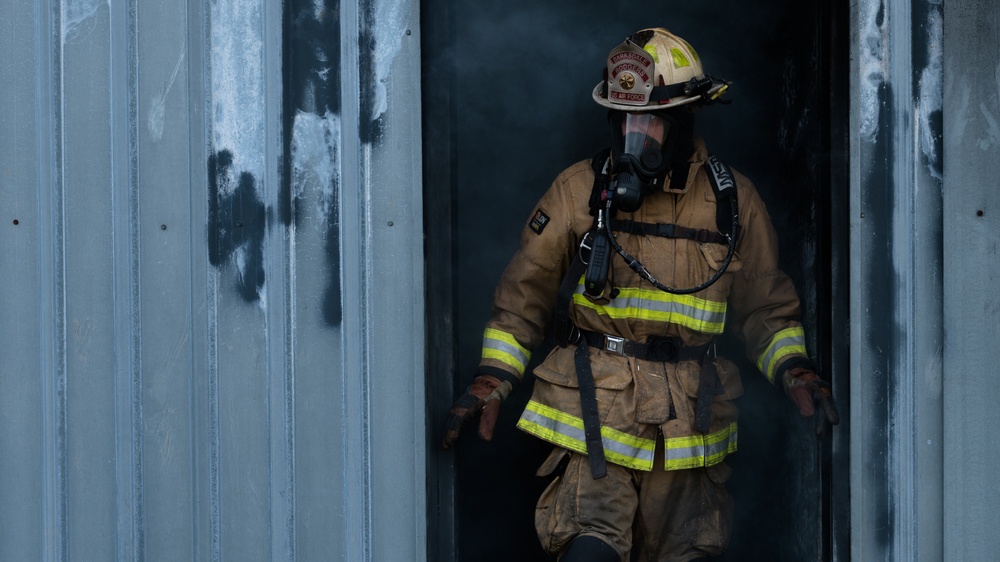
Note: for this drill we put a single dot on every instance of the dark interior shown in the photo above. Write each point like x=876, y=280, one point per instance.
x=506, y=106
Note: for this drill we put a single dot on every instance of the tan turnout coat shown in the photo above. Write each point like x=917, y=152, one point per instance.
x=638, y=400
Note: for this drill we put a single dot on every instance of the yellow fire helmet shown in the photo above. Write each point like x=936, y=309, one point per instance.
x=653, y=70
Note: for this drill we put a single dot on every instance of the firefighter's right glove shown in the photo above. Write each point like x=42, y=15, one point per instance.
x=806, y=390
x=482, y=398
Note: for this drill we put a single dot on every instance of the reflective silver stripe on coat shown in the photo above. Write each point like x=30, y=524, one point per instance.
x=697, y=314
x=790, y=341
x=504, y=348
x=567, y=432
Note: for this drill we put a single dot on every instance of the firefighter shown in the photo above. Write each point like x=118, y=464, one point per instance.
x=636, y=260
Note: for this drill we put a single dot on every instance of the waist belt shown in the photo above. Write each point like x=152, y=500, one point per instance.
x=666, y=350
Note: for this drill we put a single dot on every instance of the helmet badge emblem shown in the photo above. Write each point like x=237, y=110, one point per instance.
x=630, y=73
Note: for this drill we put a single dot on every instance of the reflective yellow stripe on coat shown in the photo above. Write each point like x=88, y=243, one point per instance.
x=697, y=314
x=504, y=348
x=790, y=341
x=566, y=431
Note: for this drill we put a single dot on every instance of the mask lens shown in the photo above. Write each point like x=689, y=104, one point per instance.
x=644, y=135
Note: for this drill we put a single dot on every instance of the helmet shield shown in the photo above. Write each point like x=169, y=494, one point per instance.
x=630, y=75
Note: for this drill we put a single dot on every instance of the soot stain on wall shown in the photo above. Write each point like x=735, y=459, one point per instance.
x=311, y=77
x=312, y=85
x=237, y=221
x=370, y=130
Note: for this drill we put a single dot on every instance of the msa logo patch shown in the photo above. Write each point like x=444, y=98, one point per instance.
x=539, y=221
x=722, y=178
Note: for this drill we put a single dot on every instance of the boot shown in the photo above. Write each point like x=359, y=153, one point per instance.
x=589, y=549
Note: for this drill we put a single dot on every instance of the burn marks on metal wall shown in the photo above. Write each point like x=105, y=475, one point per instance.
x=370, y=124
x=312, y=137
x=237, y=222
x=882, y=334
x=311, y=125
x=311, y=76
x=928, y=58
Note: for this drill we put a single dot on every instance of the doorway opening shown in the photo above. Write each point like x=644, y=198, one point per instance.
x=506, y=107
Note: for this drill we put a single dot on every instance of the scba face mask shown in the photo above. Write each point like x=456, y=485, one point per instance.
x=642, y=149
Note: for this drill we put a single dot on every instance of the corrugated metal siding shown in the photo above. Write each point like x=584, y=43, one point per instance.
x=971, y=270
x=923, y=297
x=896, y=315
x=204, y=279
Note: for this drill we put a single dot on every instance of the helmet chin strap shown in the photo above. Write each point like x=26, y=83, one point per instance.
x=682, y=148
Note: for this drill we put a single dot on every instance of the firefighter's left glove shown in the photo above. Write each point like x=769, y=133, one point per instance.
x=482, y=398
x=806, y=390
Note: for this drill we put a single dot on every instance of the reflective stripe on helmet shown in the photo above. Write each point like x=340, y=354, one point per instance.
x=502, y=347
x=680, y=59
x=694, y=313
x=566, y=431
x=790, y=341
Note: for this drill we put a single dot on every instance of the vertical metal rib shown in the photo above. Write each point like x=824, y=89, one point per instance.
x=901, y=408
x=214, y=499
x=214, y=434
x=51, y=264
x=278, y=251
x=355, y=267
x=127, y=339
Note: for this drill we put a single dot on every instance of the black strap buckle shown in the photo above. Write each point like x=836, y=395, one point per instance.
x=614, y=344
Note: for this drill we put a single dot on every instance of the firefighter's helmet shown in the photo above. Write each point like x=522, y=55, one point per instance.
x=653, y=70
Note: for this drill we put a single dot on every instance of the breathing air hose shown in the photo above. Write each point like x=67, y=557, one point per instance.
x=636, y=266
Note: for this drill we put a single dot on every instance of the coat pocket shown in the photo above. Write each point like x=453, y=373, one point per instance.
x=729, y=377
x=715, y=255
x=611, y=372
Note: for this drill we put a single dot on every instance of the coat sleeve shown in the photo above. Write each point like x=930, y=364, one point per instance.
x=525, y=296
x=763, y=300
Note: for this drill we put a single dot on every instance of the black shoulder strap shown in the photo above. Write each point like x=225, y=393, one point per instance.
x=561, y=328
x=598, y=163
x=726, y=202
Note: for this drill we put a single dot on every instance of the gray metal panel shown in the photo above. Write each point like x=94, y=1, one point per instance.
x=185, y=393
x=380, y=224
x=896, y=316
x=24, y=436
x=246, y=297
x=92, y=206
x=165, y=226
x=971, y=269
